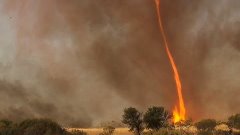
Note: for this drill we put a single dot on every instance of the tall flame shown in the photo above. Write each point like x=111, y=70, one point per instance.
x=179, y=113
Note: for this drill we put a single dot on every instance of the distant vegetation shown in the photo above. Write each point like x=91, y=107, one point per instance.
x=109, y=130
x=234, y=121
x=206, y=125
x=158, y=122
x=77, y=132
x=155, y=121
x=116, y=124
x=34, y=127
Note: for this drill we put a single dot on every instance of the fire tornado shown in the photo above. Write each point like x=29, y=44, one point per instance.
x=179, y=112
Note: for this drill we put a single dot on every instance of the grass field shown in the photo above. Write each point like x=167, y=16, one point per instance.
x=97, y=131
x=124, y=131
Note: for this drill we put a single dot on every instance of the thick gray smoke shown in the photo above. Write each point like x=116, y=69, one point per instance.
x=81, y=62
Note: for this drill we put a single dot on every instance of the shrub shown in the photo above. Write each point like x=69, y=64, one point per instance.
x=205, y=132
x=8, y=128
x=5, y=123
x=165, y=131
x=109, y=130
x=234, y=121
x=206, y=125
x=40, y=127
x=184, y=123
x=77, y=132
x=221, y=132
x=34, y=127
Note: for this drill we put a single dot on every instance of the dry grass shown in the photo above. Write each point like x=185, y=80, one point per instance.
x=97, y=131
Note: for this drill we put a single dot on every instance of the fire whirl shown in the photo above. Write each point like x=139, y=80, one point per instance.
x=179, y=112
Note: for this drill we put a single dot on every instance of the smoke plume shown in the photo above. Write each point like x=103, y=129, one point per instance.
x=82, y=62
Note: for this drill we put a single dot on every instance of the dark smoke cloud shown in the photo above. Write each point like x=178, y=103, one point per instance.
x=18, y=104
x=82, y=62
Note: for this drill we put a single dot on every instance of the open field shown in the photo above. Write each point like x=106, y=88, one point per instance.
x=96, y=131
x=124, y=131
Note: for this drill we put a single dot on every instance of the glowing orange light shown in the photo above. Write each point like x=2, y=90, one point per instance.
x=179, y=113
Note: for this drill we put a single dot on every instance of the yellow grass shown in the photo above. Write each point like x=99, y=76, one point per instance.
x=97, y=131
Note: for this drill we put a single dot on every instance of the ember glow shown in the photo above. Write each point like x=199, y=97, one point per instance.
x=179, y=112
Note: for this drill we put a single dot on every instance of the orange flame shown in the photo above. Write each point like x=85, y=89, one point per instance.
x=179, y=113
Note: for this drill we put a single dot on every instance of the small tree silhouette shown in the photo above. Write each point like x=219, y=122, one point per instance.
x=133, y=118
x=156, y=118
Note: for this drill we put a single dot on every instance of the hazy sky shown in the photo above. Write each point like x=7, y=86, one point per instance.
x=81, y=62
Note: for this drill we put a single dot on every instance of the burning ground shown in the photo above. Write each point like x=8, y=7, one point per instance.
x=75, y=60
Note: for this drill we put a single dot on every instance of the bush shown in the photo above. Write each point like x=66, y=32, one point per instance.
x=221, y=132
x=165, y=131
x=184, y=123
x=8, y=128
x=40, y=127
x=109, y=130
x=34, y=127
x=206, y=125
x=77, y=132
x=205, y=132
x=5, y=123
x=234, y=121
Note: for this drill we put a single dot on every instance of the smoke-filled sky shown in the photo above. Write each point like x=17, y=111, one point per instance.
x=81, y=62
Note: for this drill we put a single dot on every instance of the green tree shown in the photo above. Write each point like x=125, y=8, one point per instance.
x=156, y=118
x=234, y=121
x=206, y=125
x=133, y=118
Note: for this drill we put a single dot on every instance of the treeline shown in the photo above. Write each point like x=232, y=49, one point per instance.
x=158, y=121
x=34, y=127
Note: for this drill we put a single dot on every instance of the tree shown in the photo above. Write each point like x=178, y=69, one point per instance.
x=133, y=118
x=234, y=121
x=156, y=118
x=206, y=125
